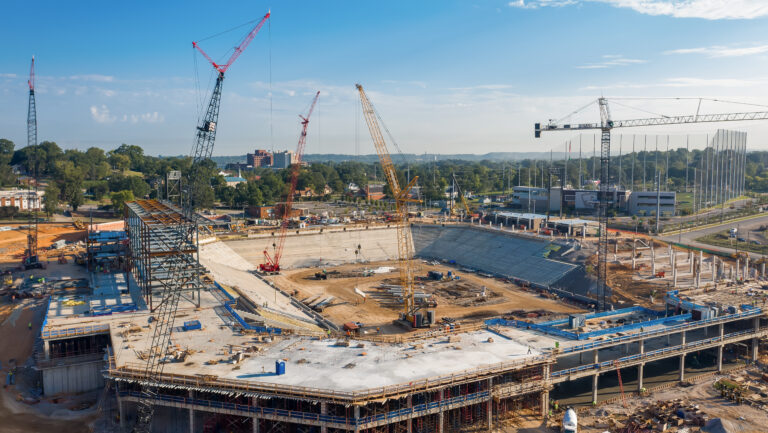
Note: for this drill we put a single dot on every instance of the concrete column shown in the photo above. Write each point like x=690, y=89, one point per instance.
x=674, y=274
x=440, y=415
x=682, y=338
x=754, y=349
x=690, y=264
x=594, y=387
x=121, y=410
x=713, y=268
x=698, y=275
x=633, y=254
x=756, y=323
x=323, y=411
x=721, y=330
x=409, y=421
x=595, y=356
x=47, y=349
x=191, y=416
x=255, y=420
x=682, y=367
x=653, y=260
x=762, y=269
x=671, y=257
x=640, y=369
x=720, y=358
x=357, y=417
x=544, y=404
x=490, y=403
x=738, y=267
x=746, y=268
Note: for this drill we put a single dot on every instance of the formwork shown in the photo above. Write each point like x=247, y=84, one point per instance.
x=156, y=236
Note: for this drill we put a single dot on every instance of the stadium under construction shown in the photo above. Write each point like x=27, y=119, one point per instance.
x=247, y=353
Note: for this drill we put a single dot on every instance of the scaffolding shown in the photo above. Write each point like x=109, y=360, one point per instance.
x=152, y=227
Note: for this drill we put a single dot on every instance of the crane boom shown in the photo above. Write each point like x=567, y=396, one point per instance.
x=175, y=262
x=605, y=126
x=404, y=240
x=238, y=50
x=272, y=264
x=205, y=134
x=657, y=121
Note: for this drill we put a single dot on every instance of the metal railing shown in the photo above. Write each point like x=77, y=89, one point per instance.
x=416, y=410
x=658, y=353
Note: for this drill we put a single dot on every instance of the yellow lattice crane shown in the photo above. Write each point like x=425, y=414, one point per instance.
x=401, y=195
x=457, y=191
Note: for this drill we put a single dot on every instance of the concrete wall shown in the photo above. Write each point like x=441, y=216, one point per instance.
x=330, y=248
x=73, y=378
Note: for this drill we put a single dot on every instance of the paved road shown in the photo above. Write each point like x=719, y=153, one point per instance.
x=747, y=226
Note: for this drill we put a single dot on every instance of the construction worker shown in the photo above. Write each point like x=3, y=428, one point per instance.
x=556, y=405
x=29, y=326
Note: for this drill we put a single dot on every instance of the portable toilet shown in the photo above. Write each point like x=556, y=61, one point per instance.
x=279, y=367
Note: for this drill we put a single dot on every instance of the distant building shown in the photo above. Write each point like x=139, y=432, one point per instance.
x=643, y=203
x=283, y=159
x=234, y=180
x=259, y=158
x=374, y=191
x=22, y=199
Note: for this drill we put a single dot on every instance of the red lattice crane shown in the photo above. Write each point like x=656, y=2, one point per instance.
x=271, y=263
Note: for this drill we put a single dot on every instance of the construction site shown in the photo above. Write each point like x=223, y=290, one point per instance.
x=170, y=321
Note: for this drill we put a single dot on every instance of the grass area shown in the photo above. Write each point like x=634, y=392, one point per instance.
x=721, y=239
x=685, y=202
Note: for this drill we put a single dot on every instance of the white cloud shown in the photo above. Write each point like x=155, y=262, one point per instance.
x=101, y=114
x=679, y=82
x=722, y=51
x=93, y=77
x=7, y=75
x=706, y=9
x=611, y=60
x=535, y=4
x=153, y=117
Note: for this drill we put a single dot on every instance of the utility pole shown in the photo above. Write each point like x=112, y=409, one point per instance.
x=621, y=139
x=687, y=161
x=658, y=199
x=645, y=156
x=632, y=184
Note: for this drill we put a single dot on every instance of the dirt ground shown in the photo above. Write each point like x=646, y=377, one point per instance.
x=13, y=243
x=744, y=418
x=16, y=341
x=457, y=299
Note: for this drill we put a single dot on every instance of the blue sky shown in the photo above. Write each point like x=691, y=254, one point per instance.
x=446, y=76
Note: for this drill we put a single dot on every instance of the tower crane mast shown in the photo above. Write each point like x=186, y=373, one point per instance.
x=272, y=263
x=605, y=126
x=31, y=259
x=174, y=262
x=404, y=240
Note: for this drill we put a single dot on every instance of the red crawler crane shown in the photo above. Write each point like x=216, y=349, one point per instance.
x=272, y=263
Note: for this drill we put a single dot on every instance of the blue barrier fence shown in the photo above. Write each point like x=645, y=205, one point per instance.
x=229, y=301
x=750, y=312
x=255, y=410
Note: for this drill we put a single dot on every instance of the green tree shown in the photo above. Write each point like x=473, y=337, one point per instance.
x=51, y=199
x=119, y=198
x=119, y=161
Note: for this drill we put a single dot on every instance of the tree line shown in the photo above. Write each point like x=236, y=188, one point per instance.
x=73, y=177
